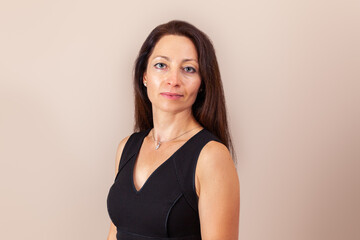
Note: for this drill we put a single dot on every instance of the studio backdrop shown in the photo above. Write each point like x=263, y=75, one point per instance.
x=291, y=78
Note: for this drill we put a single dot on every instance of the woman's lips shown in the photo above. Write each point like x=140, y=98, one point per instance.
x=170, y=95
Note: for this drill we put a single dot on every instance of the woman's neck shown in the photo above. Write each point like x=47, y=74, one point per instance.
x=170, y=125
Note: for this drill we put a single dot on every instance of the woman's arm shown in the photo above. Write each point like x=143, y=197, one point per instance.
x=219, y=193
x=112, y=231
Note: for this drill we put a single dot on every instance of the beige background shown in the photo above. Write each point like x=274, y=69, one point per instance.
x=292, y=81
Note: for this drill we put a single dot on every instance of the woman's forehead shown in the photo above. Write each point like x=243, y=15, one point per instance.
x=173, y=47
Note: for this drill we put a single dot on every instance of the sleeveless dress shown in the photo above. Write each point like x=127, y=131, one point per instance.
x=166, y=206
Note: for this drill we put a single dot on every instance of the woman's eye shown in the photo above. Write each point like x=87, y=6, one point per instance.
x=160, y=65
x=190, y=69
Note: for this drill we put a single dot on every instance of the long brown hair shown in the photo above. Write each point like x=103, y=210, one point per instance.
x=209, y=107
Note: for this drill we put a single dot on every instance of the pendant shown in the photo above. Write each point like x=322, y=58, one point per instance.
x=158, y=145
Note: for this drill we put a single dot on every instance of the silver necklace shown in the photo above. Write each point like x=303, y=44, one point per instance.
x=158, y=143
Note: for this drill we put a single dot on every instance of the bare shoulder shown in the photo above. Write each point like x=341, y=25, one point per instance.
x=219, y=193
x=215, y=157
x=119, y=152
x=216, y=169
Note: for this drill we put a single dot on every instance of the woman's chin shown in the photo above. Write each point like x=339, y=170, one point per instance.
x=172, y=108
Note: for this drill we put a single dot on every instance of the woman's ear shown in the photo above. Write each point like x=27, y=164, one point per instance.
x=145, y=79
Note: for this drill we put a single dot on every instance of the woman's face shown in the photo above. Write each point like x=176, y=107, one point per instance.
x=172, y=74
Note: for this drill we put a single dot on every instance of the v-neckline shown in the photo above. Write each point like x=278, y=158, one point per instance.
x=136, y=155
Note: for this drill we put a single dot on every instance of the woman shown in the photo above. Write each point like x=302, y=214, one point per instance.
x=175, y=177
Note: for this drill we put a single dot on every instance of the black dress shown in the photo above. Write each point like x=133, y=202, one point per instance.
x=166, y=207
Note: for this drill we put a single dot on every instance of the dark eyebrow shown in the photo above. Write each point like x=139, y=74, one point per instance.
x=162, y=57
x=168, y=59
x=189, y=59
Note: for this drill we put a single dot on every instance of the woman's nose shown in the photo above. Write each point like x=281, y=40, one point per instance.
x=174, y=78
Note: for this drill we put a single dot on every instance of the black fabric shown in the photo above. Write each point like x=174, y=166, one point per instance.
x=166, y=206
